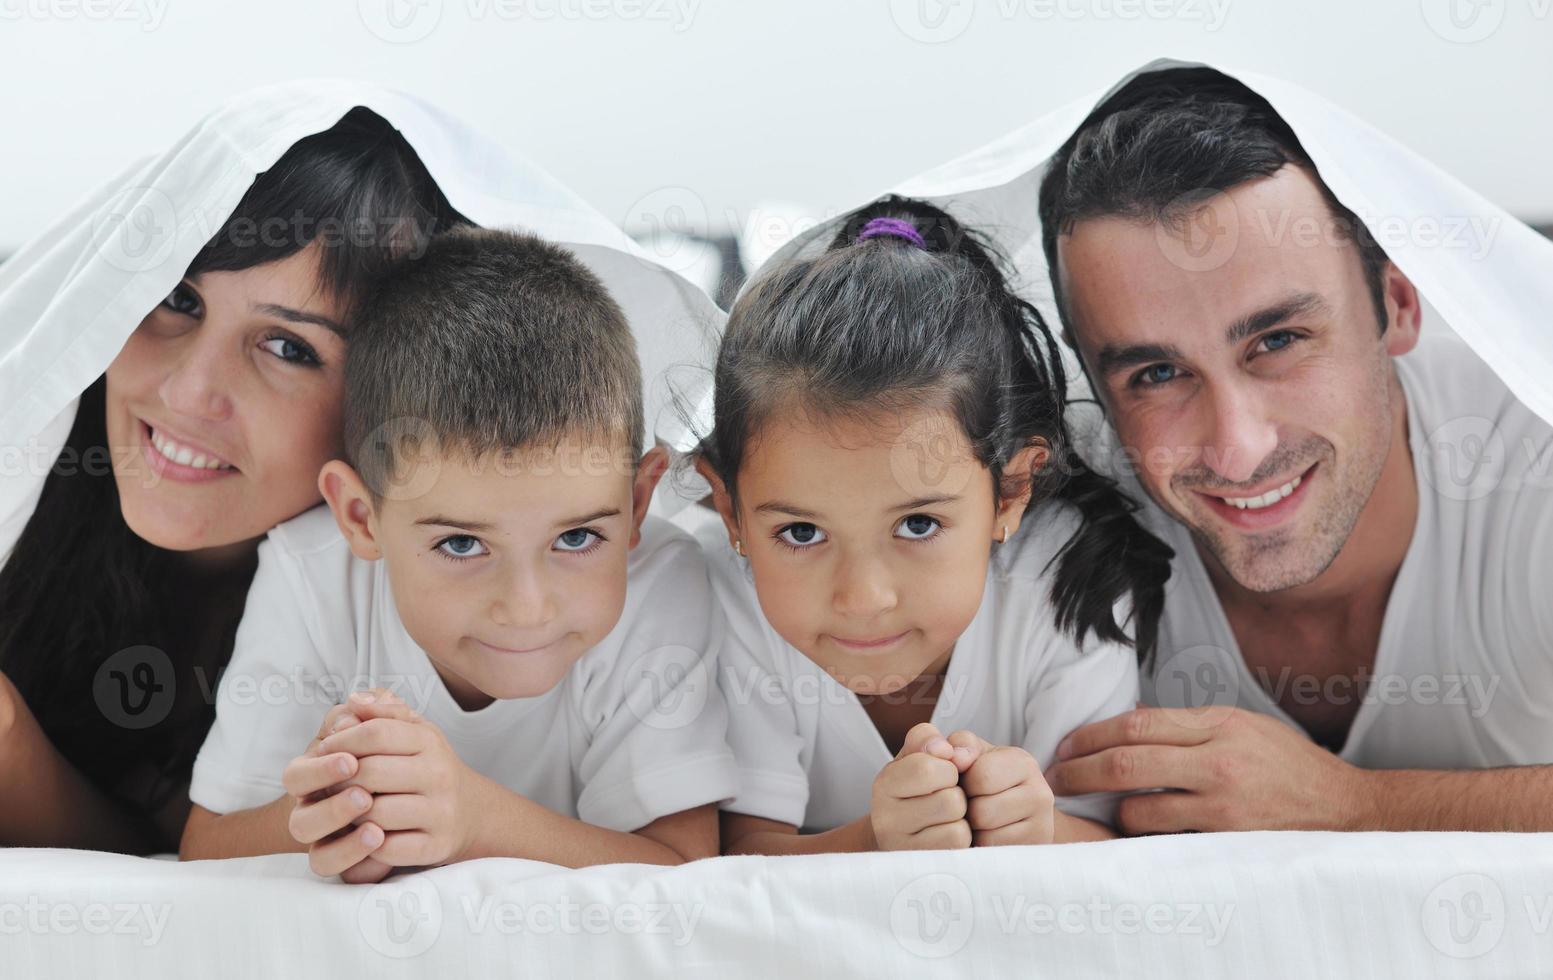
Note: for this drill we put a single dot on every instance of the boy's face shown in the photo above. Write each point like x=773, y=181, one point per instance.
x=505, y=569
x=869, y=540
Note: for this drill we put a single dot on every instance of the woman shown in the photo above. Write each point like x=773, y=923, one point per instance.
x=127, y=560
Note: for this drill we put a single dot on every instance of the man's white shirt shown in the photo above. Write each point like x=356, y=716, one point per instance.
x=1463, y=673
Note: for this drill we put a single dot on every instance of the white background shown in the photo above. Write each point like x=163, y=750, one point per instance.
x=733, y=103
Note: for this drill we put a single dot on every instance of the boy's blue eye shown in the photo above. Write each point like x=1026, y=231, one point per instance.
x=461, y=546
x=918, y=527
x=576, y=539
x=801, y=535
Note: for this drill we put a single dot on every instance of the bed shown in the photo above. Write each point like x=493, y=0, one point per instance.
x=1262, y=905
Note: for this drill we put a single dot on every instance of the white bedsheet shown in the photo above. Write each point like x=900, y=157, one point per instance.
x=1258, y=905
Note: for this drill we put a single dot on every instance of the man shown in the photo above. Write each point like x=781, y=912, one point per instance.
x=1358, y=631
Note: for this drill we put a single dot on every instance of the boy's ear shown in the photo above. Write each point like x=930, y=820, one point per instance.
x=649, y=470
x=351, y=504
x=721, y=500
x=1026, y=463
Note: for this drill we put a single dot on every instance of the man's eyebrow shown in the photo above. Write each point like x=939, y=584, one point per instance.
x=597, y=515
x=300, y=316
x=1113, y=358
x=782, y=507
x=439, y=520
x=1254, y=323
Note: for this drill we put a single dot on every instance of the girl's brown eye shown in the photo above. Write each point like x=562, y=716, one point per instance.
x=918, y=526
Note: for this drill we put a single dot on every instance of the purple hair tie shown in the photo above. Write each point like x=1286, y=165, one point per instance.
x=893, y=228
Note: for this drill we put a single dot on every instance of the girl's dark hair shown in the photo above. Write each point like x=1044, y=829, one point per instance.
x=883, y=322
x=80, y=586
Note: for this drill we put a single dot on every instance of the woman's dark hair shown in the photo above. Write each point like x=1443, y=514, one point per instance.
x=80, y=586
x=884, y=322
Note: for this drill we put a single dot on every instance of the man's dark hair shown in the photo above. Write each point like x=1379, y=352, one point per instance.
x=490, y=341
x=1164, y=143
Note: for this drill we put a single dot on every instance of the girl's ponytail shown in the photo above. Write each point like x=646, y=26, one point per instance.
x=906, y=300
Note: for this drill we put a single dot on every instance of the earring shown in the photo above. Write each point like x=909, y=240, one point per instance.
x=1005, y=535
x=738, y=546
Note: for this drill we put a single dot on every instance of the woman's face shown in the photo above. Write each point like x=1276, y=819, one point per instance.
x=224, y=404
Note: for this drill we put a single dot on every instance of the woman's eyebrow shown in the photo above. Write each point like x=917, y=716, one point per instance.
x=300, y=316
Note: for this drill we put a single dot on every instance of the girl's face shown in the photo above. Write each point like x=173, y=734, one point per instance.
x=224, y=404
x=868, y=539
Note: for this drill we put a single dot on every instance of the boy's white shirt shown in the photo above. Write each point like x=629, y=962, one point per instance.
x=808, y=752
x=633, y=732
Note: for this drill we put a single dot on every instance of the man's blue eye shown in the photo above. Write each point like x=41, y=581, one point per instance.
x=1157, y=374
x=1279, y=340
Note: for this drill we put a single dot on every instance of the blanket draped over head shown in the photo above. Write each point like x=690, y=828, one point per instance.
x=70, y=298
x=1484, y=275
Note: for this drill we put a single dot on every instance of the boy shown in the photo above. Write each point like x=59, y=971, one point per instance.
x=533, y=643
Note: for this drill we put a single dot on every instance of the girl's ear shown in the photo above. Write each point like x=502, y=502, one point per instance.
x=1025, y=464
x=721, y=501
x=351, y=504
x=649, y=470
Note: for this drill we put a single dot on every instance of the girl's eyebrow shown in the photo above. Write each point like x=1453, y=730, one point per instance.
x=780, y=507
x=943, y=498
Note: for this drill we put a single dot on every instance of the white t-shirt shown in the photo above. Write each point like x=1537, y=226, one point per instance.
x=807, y=750
x=634, y=731
x=1463, y=674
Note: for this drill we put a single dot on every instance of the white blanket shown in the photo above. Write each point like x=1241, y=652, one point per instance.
x=1263, y=906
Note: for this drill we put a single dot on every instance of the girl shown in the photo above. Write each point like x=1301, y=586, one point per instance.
x=903, y=648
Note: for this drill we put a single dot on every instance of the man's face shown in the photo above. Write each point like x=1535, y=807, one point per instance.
x=1240, y=359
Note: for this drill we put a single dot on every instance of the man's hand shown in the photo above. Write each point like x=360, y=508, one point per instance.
x=426, y=801
x=1225, y=768
x=1008, y=799
x=917, y=801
